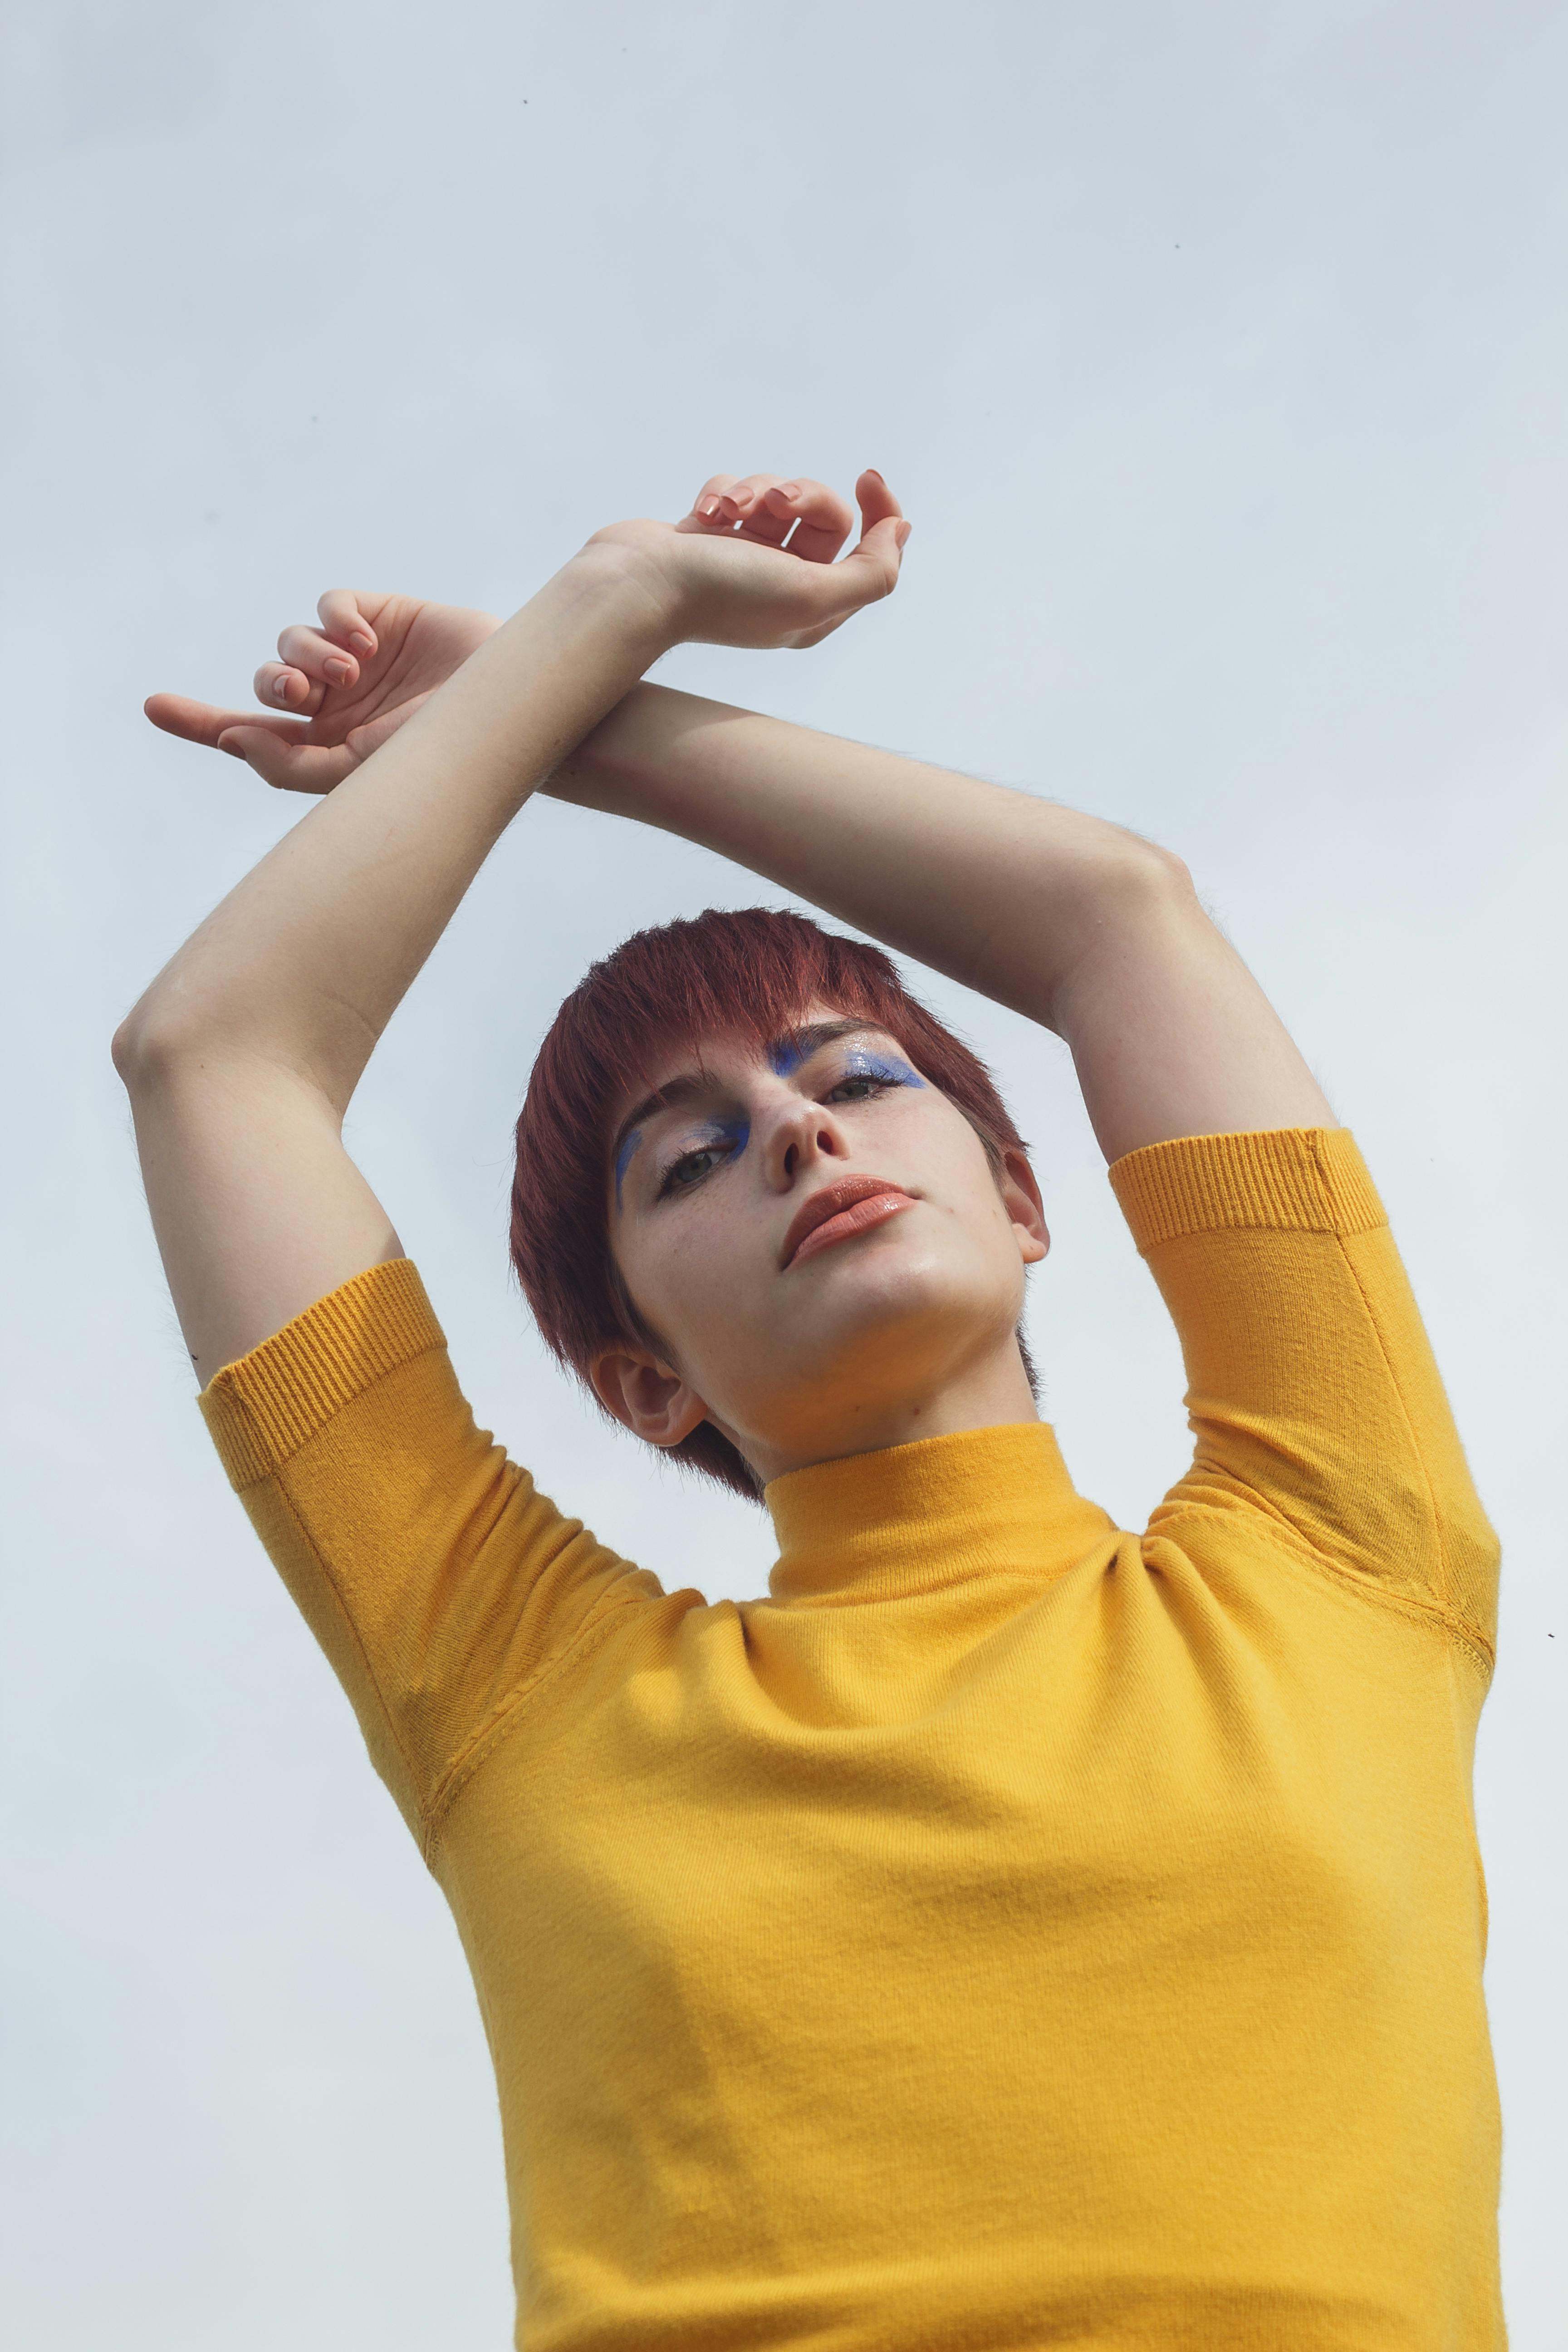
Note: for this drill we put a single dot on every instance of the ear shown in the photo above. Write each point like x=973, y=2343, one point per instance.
x=1021, y=1198
x=644, y=1395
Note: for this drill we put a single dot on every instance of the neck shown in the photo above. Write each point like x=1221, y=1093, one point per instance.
x=990, y=1394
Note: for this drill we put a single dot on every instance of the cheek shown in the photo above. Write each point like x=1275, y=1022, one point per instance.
x=942, y=1154
x=699, y=1280
x=977, y=1230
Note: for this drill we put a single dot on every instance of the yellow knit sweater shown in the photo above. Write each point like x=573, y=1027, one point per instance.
x=1012, y=1930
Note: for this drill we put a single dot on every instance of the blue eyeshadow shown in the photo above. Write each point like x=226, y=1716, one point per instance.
x=889, y=1069
x=736, y=1131
x=786, y=1056
x=624, y=1160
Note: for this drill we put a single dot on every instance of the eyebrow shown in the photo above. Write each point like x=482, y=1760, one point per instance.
x=801, y=1044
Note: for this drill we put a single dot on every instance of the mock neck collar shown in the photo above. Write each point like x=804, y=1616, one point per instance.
x=986, y=1502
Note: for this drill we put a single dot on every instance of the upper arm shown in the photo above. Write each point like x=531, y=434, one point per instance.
x=1171, y=1036
x=1311, y=1389
x=258, y=1209
x=439, y=1581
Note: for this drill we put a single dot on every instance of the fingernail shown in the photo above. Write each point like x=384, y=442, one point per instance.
x=232, y=749
x=739, y=498
x=281, y=688
x=902, y=535
x=789, y=489
x=362, y=639
x=875, y=476
x=340, y=672
x=707, y=507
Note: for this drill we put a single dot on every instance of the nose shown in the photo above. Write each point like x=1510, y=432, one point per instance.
x=797, y=1137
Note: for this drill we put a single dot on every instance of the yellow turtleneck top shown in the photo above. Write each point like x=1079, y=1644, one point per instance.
x=1010, y=1931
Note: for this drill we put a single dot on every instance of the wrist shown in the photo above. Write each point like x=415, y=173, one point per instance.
x=631, y=582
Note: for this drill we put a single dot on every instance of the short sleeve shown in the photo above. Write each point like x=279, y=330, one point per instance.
x=437, y=1579
x=1313, y=1392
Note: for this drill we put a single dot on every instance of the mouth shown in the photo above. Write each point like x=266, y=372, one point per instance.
x=840, y=1212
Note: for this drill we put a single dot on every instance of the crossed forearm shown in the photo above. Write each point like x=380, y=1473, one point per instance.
x=998, y=890
x=243, y=1053
x=1072, y=922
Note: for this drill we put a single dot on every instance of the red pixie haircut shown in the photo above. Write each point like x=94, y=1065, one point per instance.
x=756, y=972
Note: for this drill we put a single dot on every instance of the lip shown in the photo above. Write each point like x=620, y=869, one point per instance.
x=873, y=1196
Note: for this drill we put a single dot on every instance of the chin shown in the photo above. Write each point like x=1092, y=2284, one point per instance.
x=897, y=1315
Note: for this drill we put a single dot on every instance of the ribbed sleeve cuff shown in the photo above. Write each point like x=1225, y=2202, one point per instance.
x=265, y=1407
x=1303, y=1180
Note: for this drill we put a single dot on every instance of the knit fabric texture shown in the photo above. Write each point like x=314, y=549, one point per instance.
x=1011, y=1929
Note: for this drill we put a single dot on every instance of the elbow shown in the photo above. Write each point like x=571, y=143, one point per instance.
x=125, y=1048
x=167, y=1046
x=1177, y=873
x=148, y=1043
x=129, y=1048
x=1163, y=870
x=1145, y=877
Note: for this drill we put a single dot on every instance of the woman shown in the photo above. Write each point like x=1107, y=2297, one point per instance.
x=1013, y=1930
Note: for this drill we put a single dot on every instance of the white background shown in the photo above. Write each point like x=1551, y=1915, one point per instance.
x=1217, y=352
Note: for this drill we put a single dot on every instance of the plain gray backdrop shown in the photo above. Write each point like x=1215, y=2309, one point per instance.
x=1217, y=353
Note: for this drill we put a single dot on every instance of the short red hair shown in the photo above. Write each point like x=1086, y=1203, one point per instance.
x=757, y=972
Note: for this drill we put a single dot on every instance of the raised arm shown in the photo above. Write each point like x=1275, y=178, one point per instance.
x=1088, y=928
x=1077, y=923
x=241, y=1058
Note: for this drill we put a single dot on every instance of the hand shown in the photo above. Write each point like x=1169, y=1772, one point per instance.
x=354, y=680
x=734, y=581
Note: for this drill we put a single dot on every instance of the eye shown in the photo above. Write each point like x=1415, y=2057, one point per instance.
x=866, y=1074
x=692, y=1166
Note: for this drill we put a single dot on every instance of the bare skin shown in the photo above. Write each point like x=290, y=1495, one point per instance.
x=425, y=730
x=891, y=1320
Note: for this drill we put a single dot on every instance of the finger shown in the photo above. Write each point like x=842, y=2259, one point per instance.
x=200, y=722
x=287, y=762
x=738, y=507
x=747, y=503
x=705, y=510
x=322, y=662
x=820, y=518
x=345, y=623
x=868, y=571
x=282, y=688
x=880, y=557
x=875, y=499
